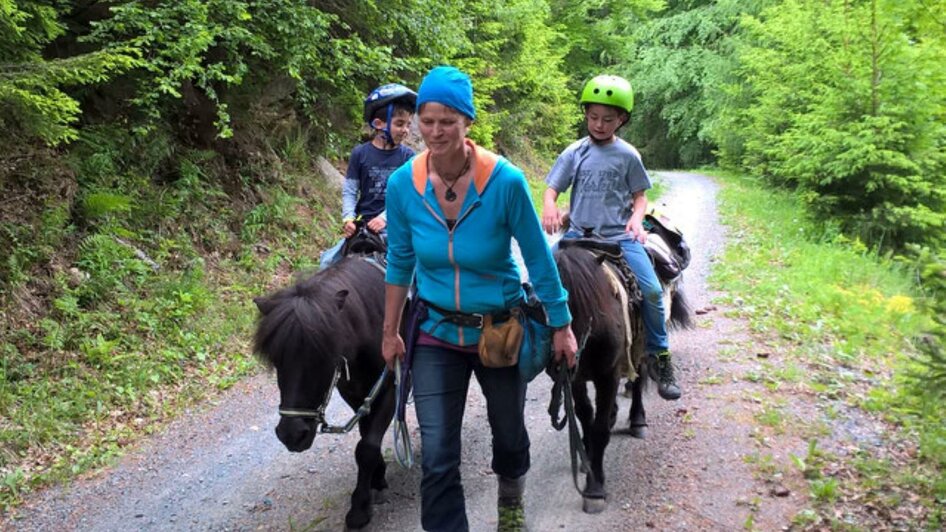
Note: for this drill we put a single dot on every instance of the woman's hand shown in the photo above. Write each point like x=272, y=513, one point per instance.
x=392, y=348
x=565, y=344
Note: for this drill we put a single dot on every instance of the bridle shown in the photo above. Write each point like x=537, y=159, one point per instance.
x=318, y=414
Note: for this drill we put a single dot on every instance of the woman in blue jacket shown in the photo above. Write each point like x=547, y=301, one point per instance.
x=452, y=212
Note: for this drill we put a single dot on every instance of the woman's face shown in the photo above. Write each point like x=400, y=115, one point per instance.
x=443, y=128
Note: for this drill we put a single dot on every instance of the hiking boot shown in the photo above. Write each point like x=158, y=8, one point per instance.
x=512, y=517
x=660, y=369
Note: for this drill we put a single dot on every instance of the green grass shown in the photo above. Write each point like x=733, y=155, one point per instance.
x=843, y=319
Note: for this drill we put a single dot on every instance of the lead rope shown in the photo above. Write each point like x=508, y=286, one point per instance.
x=562, y=394
x=403, y=450
x=363, y=410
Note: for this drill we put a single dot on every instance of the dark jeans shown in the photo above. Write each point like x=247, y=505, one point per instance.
x=441, y=380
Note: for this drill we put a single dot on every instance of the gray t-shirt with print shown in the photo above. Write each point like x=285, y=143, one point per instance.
x=604, y=179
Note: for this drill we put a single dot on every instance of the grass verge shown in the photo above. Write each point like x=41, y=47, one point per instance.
x=848, y=317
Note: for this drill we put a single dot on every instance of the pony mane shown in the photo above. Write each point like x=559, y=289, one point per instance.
x=317, y=315
x=588, y=290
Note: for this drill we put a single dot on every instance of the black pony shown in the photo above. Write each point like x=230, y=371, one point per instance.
x=611, y=336
x=323, y=332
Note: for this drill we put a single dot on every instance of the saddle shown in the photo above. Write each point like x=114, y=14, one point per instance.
x=365, y=242
x=666, y=246
x=610, y=252
x=596, y=245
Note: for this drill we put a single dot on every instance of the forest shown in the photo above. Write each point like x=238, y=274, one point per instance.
x=158, y=162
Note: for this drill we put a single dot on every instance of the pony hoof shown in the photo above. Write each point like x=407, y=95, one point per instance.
x=363, y=528
x=358, y=520
x=593, y=505
x=379, y=496
x=639, y=431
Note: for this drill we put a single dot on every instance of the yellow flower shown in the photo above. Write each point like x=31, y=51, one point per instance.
x=900, y=304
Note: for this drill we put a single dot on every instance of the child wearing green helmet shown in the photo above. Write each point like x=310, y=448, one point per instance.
x=609, y=184
x=388, y=111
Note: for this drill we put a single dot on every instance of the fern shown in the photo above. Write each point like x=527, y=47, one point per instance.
x=102, y=204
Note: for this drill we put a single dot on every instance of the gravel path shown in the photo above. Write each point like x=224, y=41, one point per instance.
x=220, y=467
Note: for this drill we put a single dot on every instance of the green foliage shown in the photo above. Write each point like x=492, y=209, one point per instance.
x=526, y=101
x=124, y=344
x=215, y=53
x=30, y=245
x=112, y=267
x=845, y=101
x=684, y=59
x=929, y=377
x=273, y=217
x=141, y=305
x=102, y=204
x=809, y=289
x=32, y=98
x=207, y=45
x=824, y=490
x=599, y=35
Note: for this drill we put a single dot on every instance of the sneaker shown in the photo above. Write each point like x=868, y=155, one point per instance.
x=512, y=517
x=660, y=369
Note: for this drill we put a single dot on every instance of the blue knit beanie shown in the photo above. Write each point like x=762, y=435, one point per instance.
x=449, y=86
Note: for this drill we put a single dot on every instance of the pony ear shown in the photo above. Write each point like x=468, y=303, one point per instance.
x=264, y=304
x=340, y=297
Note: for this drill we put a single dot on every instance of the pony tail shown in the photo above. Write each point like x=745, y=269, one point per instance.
x=681, y=313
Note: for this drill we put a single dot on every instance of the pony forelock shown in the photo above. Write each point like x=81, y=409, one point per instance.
x=306, y=318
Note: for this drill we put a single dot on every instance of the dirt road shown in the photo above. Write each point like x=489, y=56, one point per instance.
x=220, y=467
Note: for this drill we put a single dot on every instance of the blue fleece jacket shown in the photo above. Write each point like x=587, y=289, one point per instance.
x=469, y=268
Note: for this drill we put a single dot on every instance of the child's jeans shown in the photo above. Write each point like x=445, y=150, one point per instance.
x=331, y=255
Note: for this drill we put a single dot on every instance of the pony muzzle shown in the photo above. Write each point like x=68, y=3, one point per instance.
x=297, y=433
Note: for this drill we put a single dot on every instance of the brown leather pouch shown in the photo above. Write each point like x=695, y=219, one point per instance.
x=499, y=344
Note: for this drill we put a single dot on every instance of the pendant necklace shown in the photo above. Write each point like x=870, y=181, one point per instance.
x=449, y=194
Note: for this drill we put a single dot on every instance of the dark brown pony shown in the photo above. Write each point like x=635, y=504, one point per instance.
x=598, y=319
x=325, y=332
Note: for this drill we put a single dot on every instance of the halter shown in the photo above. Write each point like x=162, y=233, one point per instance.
x=319, y=413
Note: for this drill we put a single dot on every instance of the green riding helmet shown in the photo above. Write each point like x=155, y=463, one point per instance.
x=609, y=90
